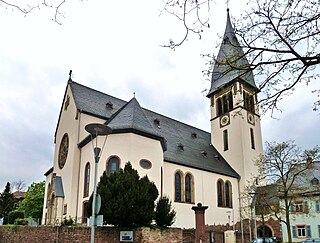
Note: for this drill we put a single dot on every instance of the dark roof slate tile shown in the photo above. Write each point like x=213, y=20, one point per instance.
x=130, y=115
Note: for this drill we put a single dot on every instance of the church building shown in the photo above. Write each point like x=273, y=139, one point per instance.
x=187, y=164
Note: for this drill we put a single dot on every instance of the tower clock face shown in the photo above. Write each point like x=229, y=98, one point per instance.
x=224, y=120
x=63, y=150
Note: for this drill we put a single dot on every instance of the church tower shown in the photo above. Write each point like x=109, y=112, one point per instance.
x=235, y=120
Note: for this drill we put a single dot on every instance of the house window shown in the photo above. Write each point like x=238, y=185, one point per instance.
x=252, y=138
x=301, y=231
x=177, y=185
x=298, y=207
x=188, y=188
x=228, y=193
x=220, y=193
x=86, y=180
x=225, y=140
x=113, y=165
x=318, y=208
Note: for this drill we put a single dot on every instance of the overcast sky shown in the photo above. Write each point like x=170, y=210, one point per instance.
x=113, y=47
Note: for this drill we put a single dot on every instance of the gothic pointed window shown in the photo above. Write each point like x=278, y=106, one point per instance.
x=220, y=193
x=188, y=188
x=86, y=180
x=177, y=185
x=113, y=164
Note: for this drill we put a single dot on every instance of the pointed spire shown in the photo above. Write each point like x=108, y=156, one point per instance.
x=231, y=63
x=132, y=116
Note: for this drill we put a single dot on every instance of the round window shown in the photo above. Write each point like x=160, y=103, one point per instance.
x=145, y=164
x=63, y=150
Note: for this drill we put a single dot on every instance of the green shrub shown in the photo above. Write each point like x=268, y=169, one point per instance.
x=15, y=215
x=19, y=221
x=67, y=221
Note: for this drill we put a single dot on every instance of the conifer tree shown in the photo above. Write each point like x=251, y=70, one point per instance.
x=126, y=199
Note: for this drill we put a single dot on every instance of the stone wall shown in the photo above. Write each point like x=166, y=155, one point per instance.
x=72, y=234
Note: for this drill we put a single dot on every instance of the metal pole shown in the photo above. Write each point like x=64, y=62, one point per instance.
x=93, y=223
x=255, y=219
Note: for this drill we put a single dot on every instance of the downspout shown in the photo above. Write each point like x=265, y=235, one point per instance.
x=77, y=201
x=240, y=210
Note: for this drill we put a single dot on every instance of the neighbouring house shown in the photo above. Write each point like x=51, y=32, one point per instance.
x=305, y=205
x=304, y=199
x=187, y=164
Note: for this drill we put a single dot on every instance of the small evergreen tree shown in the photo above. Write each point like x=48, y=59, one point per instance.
x=126, y=199
x=7, y=203
x=165, y=215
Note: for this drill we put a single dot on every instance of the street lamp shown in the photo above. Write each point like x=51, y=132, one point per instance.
x=95, y=130
x=253, y=204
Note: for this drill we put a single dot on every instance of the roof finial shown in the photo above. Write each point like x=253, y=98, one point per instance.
x=134, y=94
x=70, y=74
x=228, y=5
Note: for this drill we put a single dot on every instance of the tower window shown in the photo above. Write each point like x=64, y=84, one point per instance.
x=248, y=101
x=224, y=104
x=225, y=140
x=219, y=107
x=252, y=138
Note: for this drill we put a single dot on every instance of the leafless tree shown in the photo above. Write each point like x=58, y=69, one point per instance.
x=280, y=39
x=19, y=185
x=26, y=7
x=286, y=169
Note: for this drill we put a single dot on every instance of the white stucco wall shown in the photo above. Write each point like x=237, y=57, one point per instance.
x=205, y=192
x=127, y=147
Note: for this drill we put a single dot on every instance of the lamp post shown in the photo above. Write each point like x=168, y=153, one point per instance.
x=253, y=205
x=95, y=130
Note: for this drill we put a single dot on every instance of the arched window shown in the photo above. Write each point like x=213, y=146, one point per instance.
x=220, y=193
x=86, y=180
x=177, y=187
x=228, y=193
x=113, y=164
x=84, y=212
x=188, y=186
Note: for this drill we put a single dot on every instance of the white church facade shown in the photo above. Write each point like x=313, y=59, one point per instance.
x=186, y=164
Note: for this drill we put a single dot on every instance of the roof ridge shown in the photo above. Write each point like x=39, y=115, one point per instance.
x=73, y=82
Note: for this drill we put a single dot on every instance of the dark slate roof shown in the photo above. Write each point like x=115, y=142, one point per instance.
x=131, y=118
x=304, y=180
x=230, y=55
x=185, y=145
